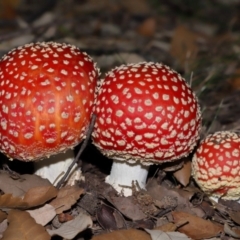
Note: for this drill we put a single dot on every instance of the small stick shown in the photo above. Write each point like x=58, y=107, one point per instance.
x=84, y=145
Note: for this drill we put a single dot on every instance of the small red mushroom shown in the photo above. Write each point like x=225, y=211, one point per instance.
x=216, y=165
x=146, y=114
x=46, y=98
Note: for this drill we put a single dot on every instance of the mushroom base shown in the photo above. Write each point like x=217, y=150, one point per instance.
x=124, y=176
x=55, y=167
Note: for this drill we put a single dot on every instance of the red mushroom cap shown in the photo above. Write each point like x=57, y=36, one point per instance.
x=216, y=165
x=146, y=112
x=46, y=98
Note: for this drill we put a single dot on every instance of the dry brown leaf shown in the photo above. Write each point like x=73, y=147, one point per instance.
x=8, y=8
x=196, y=228
x=124, y=235
x=234, y=81
x=43, y=215
x=3, y=216
x=168, y=227
x=66, y=197
x=148, y=27
x=183, y=175
x=184, y=45
x=235, y=216
x=19, y=186
x=39, y=195
x=23, y=226
x=110, y=218
x=232, y=231
x=34, y=197
x=9, y=201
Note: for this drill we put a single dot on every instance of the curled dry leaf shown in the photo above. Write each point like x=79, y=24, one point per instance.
x=110, y=218
x=233, y=232
x=43, y=215
x=71, y=228
x=124, y=235
x=196, y=227
x=19, y=186
x=23, y=226
x=183, y=174
x=66, y=197
x=235, y=216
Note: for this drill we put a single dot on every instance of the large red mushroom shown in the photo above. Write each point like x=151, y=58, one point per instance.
x=46, y=98
x=146, y=114
x=216, y=165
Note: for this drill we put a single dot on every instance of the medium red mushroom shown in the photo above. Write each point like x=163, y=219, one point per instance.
x=146, y=114
x=216, y=165
x=46, y=98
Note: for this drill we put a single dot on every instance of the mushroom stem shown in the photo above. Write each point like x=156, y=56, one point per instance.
x=123, y=175
x=55, y=166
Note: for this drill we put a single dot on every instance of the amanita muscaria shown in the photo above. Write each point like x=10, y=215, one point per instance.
x=46, y=97
x=146, y=114
x=216, y=165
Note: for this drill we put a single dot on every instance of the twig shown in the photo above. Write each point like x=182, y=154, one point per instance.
x=84, y=145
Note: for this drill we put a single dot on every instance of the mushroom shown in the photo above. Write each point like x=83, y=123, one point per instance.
x=146, y=114
x=216, y=165
x=46, y=98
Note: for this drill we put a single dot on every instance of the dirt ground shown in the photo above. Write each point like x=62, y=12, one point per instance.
x=200, y=40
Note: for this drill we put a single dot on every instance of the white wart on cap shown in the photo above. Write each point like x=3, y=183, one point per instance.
x=216, y=165
x=146, y=113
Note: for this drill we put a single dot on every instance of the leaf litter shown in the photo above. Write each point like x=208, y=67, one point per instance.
x=190, y=39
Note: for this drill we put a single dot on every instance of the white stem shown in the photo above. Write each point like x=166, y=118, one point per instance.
x=54, y=167
x=124, y=174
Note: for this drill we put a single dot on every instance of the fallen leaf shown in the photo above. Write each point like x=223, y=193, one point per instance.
x=71, y=228
x=34, y=197
x=66, y=197
x=3, y=216
x=43, y=215
x=183, y=174
x=8, y=8
x=124, y=235
x=147, y=27
x=19, y=186
x=23, y=226
x=39, y=195
x=168, y=227
x=160, y=235
x=110, y=218
x=196, y=227
x=235, y=80
x=184, y=45
x=233, y=232
x=9, y=201
x=235, y=216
